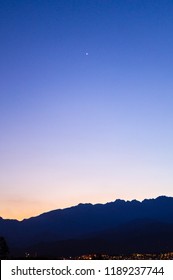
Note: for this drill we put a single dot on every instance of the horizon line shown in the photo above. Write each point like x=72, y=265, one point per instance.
x=86, y=203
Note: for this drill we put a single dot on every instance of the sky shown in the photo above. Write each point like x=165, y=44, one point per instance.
x=86, y=103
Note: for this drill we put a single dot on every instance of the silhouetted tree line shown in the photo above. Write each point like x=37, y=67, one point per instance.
x=4, y=250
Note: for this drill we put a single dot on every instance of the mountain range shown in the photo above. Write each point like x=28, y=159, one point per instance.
x=118, y=227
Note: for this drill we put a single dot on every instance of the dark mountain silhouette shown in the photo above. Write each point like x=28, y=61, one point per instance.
x=142, y=236
x=115, y=227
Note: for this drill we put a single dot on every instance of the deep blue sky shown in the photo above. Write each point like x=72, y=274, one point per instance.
x=86, y=102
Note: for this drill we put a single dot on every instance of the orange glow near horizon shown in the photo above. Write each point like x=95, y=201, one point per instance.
x=26, y=209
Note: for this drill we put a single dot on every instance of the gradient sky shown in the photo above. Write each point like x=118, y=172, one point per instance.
x=86, y=102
